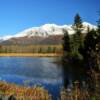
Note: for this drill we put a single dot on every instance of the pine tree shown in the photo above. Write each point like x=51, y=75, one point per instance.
x=66, y=46
x=98, y=32
x=98, y=44
x=77, y=37
x=77, y=26
x=90, y=40
x=90, y=49
x=66, y=42
x=98, y=24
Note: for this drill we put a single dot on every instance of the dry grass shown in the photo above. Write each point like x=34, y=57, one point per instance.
x=21, y=93
x=29, y=55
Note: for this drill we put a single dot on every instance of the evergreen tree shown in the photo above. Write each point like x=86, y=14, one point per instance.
x=90, y=40
x=91, y=53
x=98, y=24
x=90, y=49
x=98, y=44
x=98, y=31
x=66, y=46
x=77, y=38
x=77, y=26
x=66, y=42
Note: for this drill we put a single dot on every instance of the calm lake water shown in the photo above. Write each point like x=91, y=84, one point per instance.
x=29, y=71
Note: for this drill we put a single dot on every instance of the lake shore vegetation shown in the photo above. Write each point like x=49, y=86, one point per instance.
x=10, y=91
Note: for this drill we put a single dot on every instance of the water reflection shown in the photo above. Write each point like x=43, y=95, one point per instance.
x=72, y=71
x=30, y=71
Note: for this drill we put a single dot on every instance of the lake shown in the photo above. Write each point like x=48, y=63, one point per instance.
x=30, y=71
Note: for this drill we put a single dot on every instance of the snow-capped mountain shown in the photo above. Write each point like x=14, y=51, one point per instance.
x=47, y=30
x=48, y=33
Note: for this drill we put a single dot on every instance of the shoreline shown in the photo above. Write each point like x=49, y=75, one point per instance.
x=30, y=55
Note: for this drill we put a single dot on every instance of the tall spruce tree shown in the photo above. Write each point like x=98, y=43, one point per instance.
x=77, y=37
x=77, y=26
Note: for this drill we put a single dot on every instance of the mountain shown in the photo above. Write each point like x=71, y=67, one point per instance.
x=46, y=34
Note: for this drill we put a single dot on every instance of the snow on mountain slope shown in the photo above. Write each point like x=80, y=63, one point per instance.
x=6, y=37
x=46, y=30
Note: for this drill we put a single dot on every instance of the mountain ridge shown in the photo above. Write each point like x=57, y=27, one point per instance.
x=46, y=29
x=47, y=33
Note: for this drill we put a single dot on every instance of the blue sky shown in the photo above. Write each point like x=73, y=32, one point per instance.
x=17, y=15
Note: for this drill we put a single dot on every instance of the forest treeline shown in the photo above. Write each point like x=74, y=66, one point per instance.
x=31, y=49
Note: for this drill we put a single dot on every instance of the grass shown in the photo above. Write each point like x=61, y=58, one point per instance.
x=7, y=90
x=29, y=55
